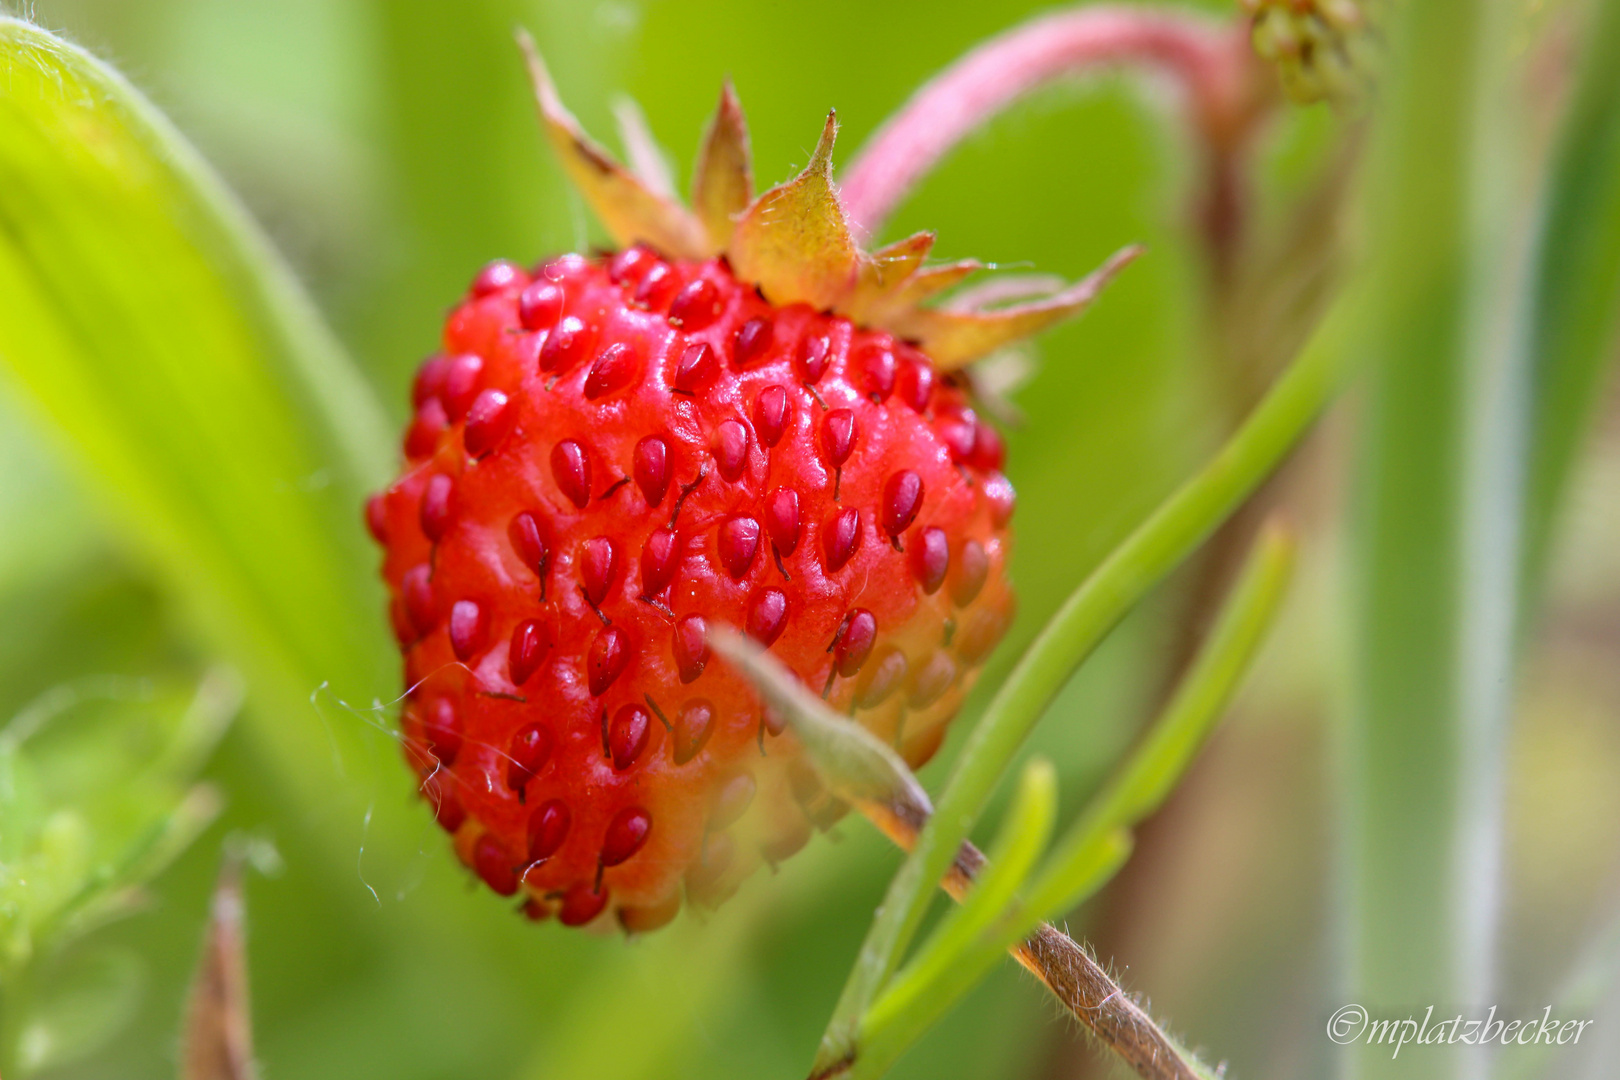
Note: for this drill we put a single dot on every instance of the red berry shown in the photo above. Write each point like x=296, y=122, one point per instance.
x=628, y=484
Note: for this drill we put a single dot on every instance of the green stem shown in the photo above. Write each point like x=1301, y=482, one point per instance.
x=1156, y=546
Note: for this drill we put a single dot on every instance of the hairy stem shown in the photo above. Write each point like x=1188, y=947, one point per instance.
x=1209, y=61
x=1062, y=965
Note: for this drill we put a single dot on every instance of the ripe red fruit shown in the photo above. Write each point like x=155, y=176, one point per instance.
x=613, y=455
x=596, y=705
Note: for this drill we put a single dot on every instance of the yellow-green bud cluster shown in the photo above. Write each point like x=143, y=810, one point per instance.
x=1325, y=50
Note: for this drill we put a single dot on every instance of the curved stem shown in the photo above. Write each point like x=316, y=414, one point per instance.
x=1209, y=61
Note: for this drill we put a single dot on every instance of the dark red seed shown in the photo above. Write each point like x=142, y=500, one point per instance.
x=404, y=632
x=528, y=543
x=695, y=306
x=691, y=647
x=548, y=828
x=731, y=449
x=902, y=498
x=572, y=471
x=377, y=518
x=609, y=656
x=753, y=341
x=468, y=628
x=494, y=864
x=838, y=436
x=930, y=559
x=441, y=730
x=626, y=834
x=693, y=726
x=773, y=409
x=782, y=519
x=989, y=451
x=972, y=568
x=539, y=305
x=530, y=643
x=999, y=495
x=565, y=345
x=655, y=288
x=462, y=379
x=437, y=511
x=498, y=275
x=630, y=264
x=581, y=904
x=877, y=366
x=420, y=603
x=738, y=542
x=767, y=616
x=696, y=368
x=841, y=537
x=613, y=370
x=915, y=382
x=731, y=800
x=423, y=437
x=598, y=565
x=855, y=643
x=815, y=353
x=628, y=734
x=959, y=433
x=447, y=809
x=658, y=562
x=429, y=381
x=488, y=422
x=651, y=466
x=527, y=754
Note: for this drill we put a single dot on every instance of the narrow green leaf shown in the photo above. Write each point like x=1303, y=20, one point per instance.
x=1156, y=546
x=855, y=765
x=1575, y=290
x=146, y=322
x=1154, y=768
x=1019, y=843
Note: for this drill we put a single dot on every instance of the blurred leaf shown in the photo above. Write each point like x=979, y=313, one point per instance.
x=217, y=1042
x=1575, y=287
x=78, y=1009
x=96, y=795
x=193, y=385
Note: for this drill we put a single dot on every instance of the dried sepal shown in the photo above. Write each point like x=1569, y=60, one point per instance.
x=723, y=184
x=217, y=1039
x=627, y=208
x=954, y=338
x=647, y=160
x=794, y=241
x=882, y=273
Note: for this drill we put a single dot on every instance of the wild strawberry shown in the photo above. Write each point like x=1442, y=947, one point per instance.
x=736, y=418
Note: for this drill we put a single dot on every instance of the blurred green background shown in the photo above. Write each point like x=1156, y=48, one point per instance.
x=390, y=149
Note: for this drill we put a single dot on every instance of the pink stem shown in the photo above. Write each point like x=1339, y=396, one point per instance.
x=1210, y=61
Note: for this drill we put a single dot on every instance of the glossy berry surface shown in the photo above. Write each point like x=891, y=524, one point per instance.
x=612, y=455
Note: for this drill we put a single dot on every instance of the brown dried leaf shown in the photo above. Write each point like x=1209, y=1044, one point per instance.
x=794, y=242
x=217, y=1041
x=954, y=338
x=723, y=184
x=627, y=208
